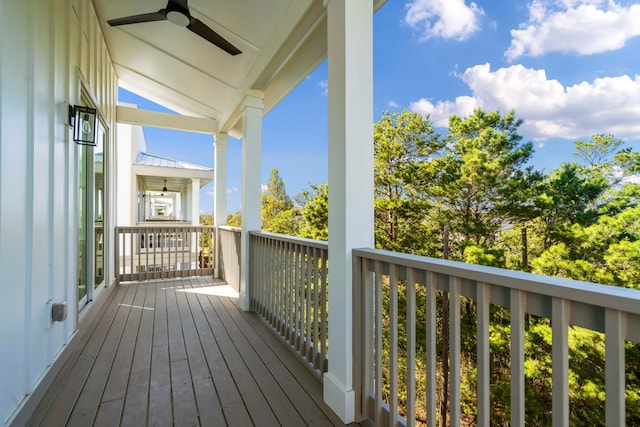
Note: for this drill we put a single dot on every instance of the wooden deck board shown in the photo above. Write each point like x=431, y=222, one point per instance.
x=167, y=353
x=254, y=400
x=160, y=411
x=280, y=404
x=137, y=397
x=284, y=370
x=89, y=400
x=231, y=403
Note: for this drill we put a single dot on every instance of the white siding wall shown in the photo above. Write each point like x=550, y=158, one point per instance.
x=45, y=46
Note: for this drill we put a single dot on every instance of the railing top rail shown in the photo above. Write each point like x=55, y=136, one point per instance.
x=291, y=239
x=229, y=228
x=164, y=227
x=605, y=296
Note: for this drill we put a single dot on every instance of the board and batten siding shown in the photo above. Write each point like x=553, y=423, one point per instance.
x=47, y=47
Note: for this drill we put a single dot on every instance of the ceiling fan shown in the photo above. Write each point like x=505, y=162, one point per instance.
x=165, y=190
x=177, y=12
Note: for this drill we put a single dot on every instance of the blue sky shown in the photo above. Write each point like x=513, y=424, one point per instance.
x=569, y=68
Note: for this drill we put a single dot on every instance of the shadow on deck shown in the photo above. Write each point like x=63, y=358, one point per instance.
x=180, y=352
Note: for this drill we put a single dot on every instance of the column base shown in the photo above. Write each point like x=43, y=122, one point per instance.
x=340, y=400
x=243, y=303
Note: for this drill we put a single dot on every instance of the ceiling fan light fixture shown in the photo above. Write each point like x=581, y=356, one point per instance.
x=164, y=189
x=178, y=18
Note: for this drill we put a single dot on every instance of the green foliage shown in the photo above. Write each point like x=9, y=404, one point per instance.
x=483, y=182
x=568, y=197
x=234, y=220
x=286, y=222
x=206, y=219
x=474, y=254
x=404, y=147
x=274, y=200
x=315, y=212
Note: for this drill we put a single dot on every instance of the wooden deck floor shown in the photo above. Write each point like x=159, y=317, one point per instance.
x=174, y=353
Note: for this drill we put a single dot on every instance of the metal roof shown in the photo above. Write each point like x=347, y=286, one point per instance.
x=146, y=159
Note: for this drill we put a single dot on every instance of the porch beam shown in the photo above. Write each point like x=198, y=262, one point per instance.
x=252, y=109
x=350, y=120
x=136, y=116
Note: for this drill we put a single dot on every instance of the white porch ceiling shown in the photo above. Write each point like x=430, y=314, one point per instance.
x=281, y=41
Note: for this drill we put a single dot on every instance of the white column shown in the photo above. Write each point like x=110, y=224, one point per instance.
x=220, y=181
x=251, y=182
x=220, y=142
x=195, y=201
x=350, y=53
x=188, y=199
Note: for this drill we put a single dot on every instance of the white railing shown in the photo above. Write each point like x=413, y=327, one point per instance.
x=154, y=252
x=385, y=286
x=289, y=291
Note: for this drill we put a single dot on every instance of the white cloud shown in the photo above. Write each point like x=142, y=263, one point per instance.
x=440, y=113
x=449, y=19
x=324, y=86
x=264, y=187
x=549, y=109
x=232, y=190
x=393, y=104
x=579, y=26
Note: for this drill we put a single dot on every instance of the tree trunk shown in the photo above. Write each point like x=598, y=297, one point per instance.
x=525, y=250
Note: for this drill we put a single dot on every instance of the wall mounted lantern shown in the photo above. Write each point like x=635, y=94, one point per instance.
x=83, y=120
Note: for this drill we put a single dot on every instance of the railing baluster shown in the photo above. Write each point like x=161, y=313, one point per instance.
x=323, y=313
x=484, y=373
x=309, y=288
x=316, y=319
x=430, y=345
x=517, y=301
x=131, y=270
x=379, y=414
x=560, y=362
x=298, y=284
x=411, y=348
x=272, y=286
x=291, y=293
x=455, y=289
x=367, y=348
x=147, y=243
x=615, y=329
x=393, y=344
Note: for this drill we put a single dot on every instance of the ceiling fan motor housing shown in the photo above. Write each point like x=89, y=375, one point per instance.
x=178, y=16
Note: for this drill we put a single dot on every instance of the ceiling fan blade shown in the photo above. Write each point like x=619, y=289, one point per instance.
x=160, y=15
x=208, y=34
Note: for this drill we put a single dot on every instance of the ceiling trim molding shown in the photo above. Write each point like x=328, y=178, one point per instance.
x=167, y=173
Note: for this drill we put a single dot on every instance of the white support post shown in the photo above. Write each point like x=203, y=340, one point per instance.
x=188, y=198
x=195, y=201
x=220, y=143
x=350, y=119
x=252, y=109
x=220, y=182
